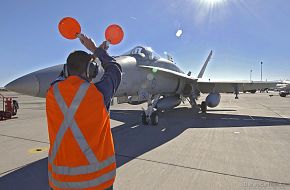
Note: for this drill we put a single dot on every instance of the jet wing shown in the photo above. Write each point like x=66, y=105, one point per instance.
x=178, y=74
x=207, y=87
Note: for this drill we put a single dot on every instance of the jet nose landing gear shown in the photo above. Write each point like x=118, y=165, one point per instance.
x=145, y=119
x=150, y=115
x=154, y=118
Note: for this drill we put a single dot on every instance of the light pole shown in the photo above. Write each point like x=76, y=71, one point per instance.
x=261, y=70
x=251, y=75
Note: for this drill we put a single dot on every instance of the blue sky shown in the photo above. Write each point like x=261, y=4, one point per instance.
x=242, y=33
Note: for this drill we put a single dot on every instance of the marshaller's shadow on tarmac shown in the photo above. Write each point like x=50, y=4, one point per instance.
x=132, y=139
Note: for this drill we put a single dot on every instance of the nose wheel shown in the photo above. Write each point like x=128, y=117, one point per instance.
x=145, y=120
x=154, y=118
x=150, y=115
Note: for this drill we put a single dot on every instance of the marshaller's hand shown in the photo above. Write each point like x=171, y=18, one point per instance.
x=104, y=45
x=87, y=42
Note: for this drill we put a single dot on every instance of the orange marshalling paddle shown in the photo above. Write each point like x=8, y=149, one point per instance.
x=69, y=28
x=114, y=34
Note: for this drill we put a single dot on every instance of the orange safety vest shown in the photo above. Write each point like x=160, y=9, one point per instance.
x=81, y=154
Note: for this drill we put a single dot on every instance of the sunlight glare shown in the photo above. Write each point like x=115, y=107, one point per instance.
x=213, y=2
x=210, y=11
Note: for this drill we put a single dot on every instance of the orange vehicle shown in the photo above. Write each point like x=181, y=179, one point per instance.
x=10, y=107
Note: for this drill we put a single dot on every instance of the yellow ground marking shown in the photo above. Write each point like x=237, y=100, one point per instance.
x=37, y=150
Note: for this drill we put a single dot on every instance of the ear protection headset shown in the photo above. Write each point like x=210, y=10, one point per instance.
x=65, y=71
x=91, y=71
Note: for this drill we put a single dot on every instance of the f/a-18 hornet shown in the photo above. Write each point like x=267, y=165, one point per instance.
x=147, y=78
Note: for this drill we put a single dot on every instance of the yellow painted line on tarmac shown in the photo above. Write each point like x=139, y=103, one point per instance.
x=37, y=150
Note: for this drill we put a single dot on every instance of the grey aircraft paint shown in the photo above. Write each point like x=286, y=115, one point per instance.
x=145, y=75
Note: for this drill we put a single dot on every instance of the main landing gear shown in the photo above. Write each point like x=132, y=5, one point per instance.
x=203, y=107
x=151, y=114
x=196, y=107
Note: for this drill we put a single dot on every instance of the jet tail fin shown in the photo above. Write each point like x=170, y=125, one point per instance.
x=204, y=65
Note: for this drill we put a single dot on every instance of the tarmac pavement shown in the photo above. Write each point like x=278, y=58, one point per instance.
x=241, y=144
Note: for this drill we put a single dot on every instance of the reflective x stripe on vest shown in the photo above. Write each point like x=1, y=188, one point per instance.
x=69, y=122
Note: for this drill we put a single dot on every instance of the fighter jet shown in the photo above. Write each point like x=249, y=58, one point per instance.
x=147, y=77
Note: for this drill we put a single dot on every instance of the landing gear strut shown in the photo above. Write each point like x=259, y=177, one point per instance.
x=151, y=114
x=202, y=107
x=144, y=118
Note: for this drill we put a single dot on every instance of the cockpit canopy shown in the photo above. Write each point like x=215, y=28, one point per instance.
x=145, y=52
x=152, y=57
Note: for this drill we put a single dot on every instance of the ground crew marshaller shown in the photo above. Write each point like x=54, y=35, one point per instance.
x=81, y=154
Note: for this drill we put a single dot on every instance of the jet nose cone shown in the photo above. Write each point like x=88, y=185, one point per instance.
x=27, y=84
